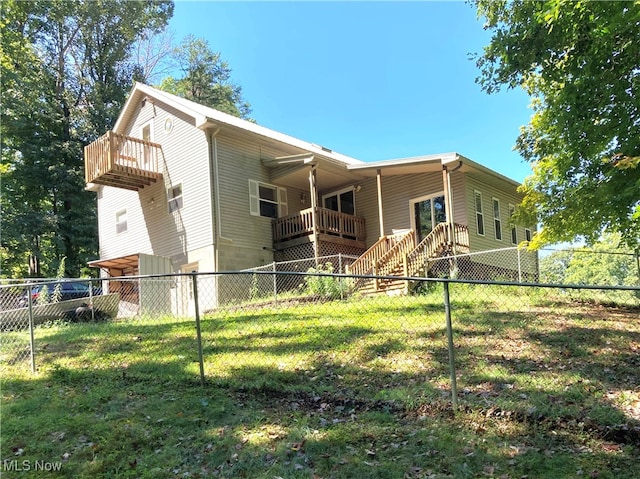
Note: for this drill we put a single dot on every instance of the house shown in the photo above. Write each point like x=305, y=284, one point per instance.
x=182, y=187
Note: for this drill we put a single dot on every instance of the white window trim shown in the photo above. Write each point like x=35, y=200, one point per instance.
x=120, y=214
x=497, y=221
x=338, y=193
x=254, y=199
x=476, y=212
x=178, y=200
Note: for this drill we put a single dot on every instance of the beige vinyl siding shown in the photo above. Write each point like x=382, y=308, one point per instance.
x=397, y=192
x=152, y=229
x=505, y=196
x=458, y=192
x=247, y=240
x=367, y=207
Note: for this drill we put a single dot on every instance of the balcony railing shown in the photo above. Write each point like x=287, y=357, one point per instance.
x=121, y=161
x=331, y=223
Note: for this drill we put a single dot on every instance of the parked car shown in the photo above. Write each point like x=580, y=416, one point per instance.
x=68, y=290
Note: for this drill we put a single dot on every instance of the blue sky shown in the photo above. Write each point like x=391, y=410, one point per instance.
x=374, y=81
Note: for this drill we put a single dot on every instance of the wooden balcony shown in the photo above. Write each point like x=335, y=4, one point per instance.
x=332, y=226
x=121, y=161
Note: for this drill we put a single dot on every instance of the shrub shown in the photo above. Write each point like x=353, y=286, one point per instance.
x=325, y=285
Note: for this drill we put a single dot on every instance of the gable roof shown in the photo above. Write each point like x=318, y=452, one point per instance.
x=210, y=118
x=207, y=117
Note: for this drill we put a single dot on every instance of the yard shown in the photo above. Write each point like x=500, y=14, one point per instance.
x=548, y=388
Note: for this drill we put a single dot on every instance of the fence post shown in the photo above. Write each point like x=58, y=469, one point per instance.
x=194, y=277
x=452, y=363
x=275, y=284
x=519, y=267
x=32, y=348
x=93, y=314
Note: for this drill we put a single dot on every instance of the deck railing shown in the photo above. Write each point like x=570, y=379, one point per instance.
x=435, y=244
x=329, y=222
x=366, y=262
x=115, y=158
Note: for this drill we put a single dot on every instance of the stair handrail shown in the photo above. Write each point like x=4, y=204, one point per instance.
x=434, y=243
x=366, y=262
x=394, y=257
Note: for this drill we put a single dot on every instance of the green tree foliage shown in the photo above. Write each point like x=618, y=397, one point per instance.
x=65, y=73
x=206, y=79
x=580, y=63
x=606, y=263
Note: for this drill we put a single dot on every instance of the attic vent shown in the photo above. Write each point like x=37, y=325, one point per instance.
x=323, y=148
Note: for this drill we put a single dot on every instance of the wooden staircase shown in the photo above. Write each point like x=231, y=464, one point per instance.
x=399, y=255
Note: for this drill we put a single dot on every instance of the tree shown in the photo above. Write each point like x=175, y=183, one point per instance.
x=206, y=78
x=580, y=63
x=606, y=263
x=65, y=72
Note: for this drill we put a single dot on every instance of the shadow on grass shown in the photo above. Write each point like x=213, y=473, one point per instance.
x=330, y=420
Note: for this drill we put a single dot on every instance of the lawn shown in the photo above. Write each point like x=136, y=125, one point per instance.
x=548, y=388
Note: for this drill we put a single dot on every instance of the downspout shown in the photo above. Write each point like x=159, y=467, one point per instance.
x=380, y=211
x=215, y=197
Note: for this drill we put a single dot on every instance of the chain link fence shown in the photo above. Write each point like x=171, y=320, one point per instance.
x=269, y=329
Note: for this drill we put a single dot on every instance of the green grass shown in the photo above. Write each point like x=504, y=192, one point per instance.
x=336, y=389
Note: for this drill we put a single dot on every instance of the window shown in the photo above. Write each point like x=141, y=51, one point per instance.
x=497, y=222
x=479, y=214
x=267, y=200
x=514, y=231
x=342, y=201
x=174, y=195
x=527, y=234
x=121, y=221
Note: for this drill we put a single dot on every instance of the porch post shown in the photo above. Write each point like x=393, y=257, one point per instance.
x=380, y=215
x=314, y=208
x=447, y=202
x=451, y=231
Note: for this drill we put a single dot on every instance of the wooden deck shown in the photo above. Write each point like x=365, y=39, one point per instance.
x=332, y=226
x=121, y=161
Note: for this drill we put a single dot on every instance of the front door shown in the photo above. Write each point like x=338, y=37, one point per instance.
x=426, y=213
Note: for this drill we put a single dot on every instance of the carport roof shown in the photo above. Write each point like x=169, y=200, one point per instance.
x=122, y=262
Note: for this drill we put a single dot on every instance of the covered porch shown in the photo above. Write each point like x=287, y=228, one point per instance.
x=321, y=223
x=330, y=225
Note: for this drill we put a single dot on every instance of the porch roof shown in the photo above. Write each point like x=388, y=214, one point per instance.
x=429, y=163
